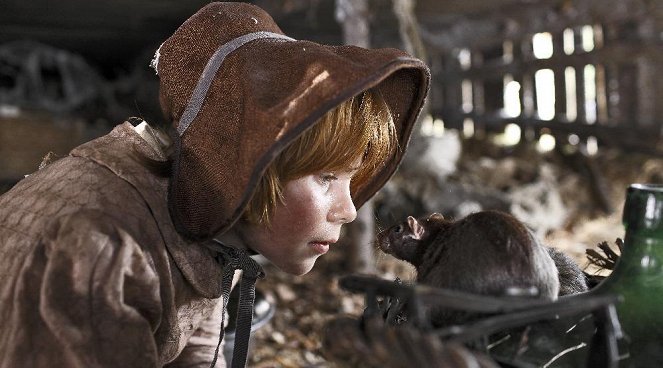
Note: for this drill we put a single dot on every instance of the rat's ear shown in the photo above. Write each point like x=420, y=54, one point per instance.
x=436, y=216
x=416, y=228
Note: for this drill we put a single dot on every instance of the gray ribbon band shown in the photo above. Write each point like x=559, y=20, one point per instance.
x=213, y=65
x=236, y=259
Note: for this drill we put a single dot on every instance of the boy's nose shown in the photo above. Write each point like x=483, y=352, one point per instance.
x=344, y=210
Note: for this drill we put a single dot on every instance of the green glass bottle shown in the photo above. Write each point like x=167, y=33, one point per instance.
x=638, y=278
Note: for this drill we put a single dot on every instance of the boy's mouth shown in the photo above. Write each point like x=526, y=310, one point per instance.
x=321, y=247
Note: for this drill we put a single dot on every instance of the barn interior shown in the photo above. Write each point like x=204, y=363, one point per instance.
x=546, y=109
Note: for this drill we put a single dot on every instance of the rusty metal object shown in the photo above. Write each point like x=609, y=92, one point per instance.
x=513, y=331
x=37, y=76
x=372, y=343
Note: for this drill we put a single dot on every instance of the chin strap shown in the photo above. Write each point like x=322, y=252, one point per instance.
x=232, y=260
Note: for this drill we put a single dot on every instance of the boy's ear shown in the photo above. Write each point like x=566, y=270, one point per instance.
x=416, y=228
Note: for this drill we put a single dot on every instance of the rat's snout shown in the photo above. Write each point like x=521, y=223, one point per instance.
x=382, y=241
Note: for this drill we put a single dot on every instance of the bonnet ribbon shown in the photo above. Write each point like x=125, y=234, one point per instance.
x=208, y=74
x=237, y=259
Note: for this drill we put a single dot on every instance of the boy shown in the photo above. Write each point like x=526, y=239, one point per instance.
x=107, y=261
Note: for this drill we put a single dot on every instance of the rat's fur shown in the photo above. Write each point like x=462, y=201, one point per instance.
x=484, y=253
x=488, y=253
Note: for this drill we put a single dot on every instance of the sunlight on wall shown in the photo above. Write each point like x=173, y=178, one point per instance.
x=466, y=95
x=438, y=127
x=512, y=106
x=590, y=93
x=568, y=41
x=432, y=127
x=468, y=128
x=427, y=125
x=571, y=98
x=542, y=44
x=465, y=59
x=592, y=146
x=511, y=136
x=574, y=139
x=582, y=103
x=545, y=93
x=544, y=79
x=546, y=143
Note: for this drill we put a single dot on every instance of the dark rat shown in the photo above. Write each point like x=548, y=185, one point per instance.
x=488, y=253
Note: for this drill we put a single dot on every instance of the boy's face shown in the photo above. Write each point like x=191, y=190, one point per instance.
x=306, y=223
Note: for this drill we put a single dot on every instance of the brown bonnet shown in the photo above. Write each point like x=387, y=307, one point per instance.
x=239, y=91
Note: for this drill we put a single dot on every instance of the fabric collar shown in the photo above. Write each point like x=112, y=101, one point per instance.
x=197, y=262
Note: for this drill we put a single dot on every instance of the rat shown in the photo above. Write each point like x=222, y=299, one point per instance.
x=487, y=253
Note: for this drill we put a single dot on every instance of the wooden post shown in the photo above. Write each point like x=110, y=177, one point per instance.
x=353, y=17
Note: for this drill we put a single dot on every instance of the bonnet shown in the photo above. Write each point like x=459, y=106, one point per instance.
x=238, y=91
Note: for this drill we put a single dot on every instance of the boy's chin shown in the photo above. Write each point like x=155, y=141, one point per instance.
x=297, y=269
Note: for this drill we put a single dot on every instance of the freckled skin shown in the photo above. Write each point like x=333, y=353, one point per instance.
x=313, y=210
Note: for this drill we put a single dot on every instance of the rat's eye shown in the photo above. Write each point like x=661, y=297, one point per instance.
x=398, y=229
